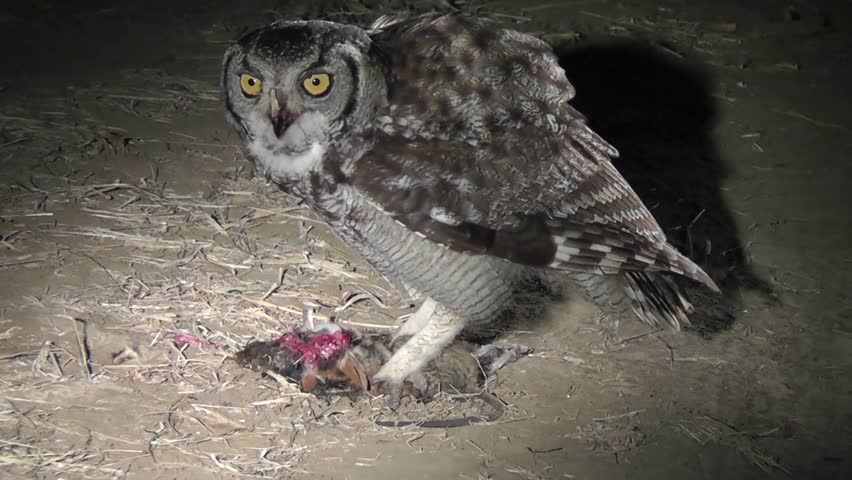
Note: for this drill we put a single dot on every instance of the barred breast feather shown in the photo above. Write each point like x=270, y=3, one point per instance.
x=475, y=286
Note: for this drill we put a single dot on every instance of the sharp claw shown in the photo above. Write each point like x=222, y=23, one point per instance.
x=493, y=357
x=392, y=391
x=394, y=396
x=419, y=383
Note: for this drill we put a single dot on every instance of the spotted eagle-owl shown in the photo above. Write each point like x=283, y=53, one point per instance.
x=444, y=149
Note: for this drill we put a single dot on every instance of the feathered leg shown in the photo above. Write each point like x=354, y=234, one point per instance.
x=442, y=328
x=417, y=320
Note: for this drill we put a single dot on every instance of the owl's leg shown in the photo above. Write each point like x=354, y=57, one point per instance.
x=427, y=343
x=417, y=320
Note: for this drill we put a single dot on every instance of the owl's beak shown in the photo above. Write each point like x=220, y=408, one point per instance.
x=281, y=117
x=274, y=106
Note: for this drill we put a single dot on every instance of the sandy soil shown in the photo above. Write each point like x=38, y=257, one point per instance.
x=127, y=216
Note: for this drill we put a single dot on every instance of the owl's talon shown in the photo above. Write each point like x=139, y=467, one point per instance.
x=493, y=357
x=394, y=398
x=391, y=390
x=415, y=385
x=419, y=383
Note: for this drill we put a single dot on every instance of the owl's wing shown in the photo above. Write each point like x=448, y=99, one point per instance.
x=480, y=151
x=456, y=196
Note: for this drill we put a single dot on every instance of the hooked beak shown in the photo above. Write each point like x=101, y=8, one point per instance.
x=281, y=117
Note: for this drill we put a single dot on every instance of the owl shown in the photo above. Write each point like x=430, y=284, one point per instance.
x=445, y=150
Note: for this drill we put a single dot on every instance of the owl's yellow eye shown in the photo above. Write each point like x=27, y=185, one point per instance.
x=317, y=84
x=251, y=86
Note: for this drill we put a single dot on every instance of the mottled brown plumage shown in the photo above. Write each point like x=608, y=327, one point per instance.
x=446, y=151
x=502, y=155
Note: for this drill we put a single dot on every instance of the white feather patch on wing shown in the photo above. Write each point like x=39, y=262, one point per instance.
x=600, y=248
x=563, y=253
x=644, y=259
x=442, y=215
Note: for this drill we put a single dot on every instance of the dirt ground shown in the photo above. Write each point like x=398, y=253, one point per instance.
x=127, y=216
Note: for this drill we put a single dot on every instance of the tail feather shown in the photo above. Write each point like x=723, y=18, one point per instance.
x=659, y=299
x=602, y=249
x=651, y=296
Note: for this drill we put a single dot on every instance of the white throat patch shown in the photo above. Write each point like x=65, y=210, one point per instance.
x=304, y=139
x=290, y=165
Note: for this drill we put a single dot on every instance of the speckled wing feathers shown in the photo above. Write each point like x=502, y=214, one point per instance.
x=481, y=152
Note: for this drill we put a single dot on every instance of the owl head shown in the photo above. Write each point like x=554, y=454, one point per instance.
x=292, y=89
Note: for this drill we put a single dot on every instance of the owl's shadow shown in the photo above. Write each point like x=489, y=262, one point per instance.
x=658, y=111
